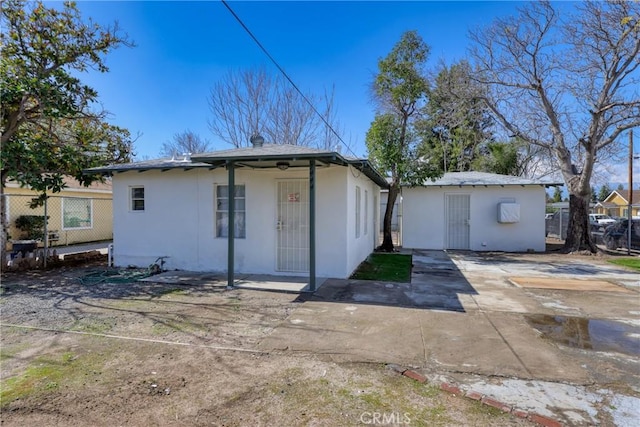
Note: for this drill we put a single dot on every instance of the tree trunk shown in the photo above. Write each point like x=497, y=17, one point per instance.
x=578, y=231
x=387, y=240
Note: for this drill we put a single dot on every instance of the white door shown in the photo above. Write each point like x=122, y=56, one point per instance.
x=293, y=226
x=457, y=216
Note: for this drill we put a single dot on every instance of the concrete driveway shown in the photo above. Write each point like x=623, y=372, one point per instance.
x=533, y=330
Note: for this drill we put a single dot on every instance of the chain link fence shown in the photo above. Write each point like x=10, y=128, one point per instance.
x=396, y=222
x=557, y=223
x=69, y=221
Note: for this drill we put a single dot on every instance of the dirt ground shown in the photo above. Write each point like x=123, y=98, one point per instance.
x=79, y=350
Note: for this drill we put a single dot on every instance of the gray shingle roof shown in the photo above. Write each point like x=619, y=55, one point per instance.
x=179, y=163
x=265, y=151
x=468, y=179
x=263, y=156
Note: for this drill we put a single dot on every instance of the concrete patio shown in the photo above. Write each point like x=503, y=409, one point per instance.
x=260, y=282
x=480, y=320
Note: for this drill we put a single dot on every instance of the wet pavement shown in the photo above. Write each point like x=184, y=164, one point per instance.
x=588, y=334
x=571, y=355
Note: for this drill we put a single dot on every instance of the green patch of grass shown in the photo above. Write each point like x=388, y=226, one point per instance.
x=627, y=262
x=235, y=304
x=173, y=291
x=385, y=267
x=482, y=409
x=357, y=401
x=47, y=374
x=373, y=399
x=8, y=352
x=176, y=323
x=93, y=326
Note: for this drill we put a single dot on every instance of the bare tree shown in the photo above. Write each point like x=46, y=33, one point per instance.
x=248, y=102
x=185, y=142
x=331, y=137
x=569, y=86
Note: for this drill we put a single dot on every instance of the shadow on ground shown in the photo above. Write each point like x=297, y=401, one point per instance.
x=436, y=284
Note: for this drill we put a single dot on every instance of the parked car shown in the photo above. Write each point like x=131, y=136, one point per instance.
x=599, y=221
x=615, y=236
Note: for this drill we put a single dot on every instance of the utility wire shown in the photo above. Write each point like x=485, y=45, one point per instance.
x=266, y=52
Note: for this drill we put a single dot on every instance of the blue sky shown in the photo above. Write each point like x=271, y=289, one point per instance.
x=160, y=87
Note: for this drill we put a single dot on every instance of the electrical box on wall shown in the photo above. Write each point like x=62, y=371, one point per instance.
x=508, y=213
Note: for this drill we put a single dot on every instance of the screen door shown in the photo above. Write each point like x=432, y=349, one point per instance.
x=292, y=226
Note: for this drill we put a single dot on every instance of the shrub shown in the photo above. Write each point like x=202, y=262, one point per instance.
x=32, y=226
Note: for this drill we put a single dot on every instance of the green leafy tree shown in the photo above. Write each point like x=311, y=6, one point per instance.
x=567, y=84
x=400, y=91
x=458, y=129
x=500, y=157
x=604, y=192
x=557, y=195
x=455, y=126
x=49, y=125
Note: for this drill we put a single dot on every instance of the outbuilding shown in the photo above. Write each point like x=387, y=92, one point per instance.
x=475, y=211
x=296, y=211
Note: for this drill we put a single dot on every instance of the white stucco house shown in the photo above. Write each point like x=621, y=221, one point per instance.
x=475, y=211
x=297, y=211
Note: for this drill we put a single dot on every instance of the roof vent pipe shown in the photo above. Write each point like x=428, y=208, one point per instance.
x=256, y=140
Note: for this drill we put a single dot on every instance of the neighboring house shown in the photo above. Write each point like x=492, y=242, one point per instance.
x=77, y=214
x=475, y=211
x=617, y=204
x=283, y=193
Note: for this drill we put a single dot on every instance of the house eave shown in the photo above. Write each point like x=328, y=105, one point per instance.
x=270, y=160
x=461, y=185
x=263, y=161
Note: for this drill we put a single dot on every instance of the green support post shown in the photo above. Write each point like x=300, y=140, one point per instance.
x=231, y=224
x=312, y=225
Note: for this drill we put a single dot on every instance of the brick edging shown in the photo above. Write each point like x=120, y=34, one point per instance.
x=482, y=398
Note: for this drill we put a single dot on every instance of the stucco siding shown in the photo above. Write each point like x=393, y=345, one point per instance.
x=179, y=220
x=166, y=227
x=331, y=228
x=361, y=246
x=424, y=218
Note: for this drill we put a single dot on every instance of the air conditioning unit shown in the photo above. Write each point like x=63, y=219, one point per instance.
x=508, y=213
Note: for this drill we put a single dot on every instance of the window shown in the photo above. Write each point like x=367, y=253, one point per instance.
x=366, y=212
x=77, y=213
x=137, y=198
x=357, y=212
x=222, y=211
